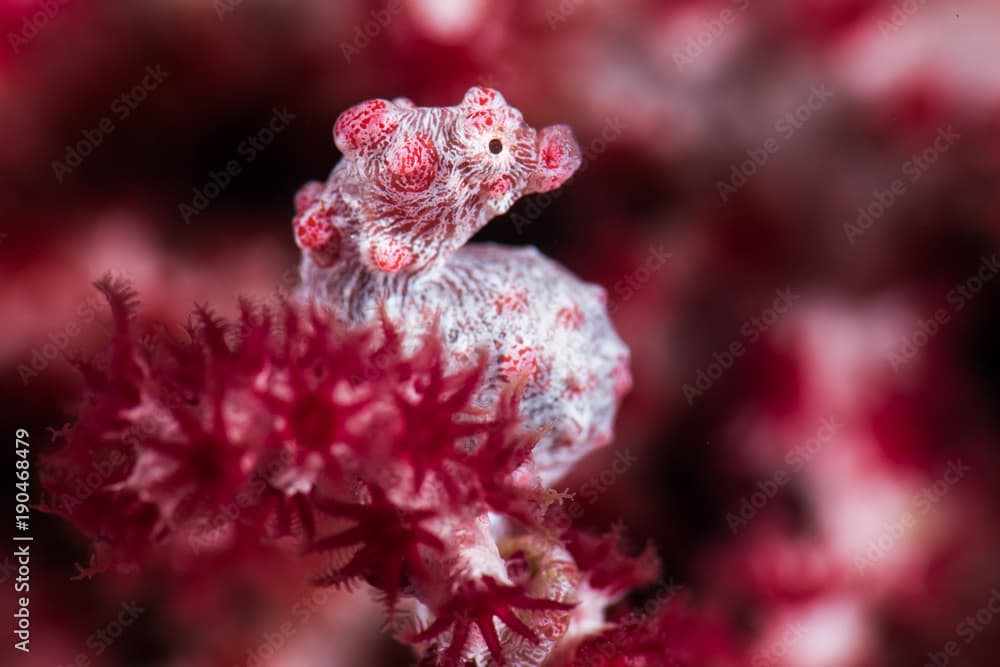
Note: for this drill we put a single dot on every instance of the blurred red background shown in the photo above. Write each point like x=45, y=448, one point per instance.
x=792, y=205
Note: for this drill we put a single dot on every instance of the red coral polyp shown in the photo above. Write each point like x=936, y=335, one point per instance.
x=391, y=539
x=477, y=603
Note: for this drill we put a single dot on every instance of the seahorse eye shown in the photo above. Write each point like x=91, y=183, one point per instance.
x=496, y=146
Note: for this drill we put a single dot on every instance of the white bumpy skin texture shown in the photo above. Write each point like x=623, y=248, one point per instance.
x=384, y=236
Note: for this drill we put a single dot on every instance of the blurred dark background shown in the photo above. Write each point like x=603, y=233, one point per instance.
x=815, y=415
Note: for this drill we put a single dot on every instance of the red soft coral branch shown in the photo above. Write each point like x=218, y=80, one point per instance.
x=605, y=557
x=673, y=635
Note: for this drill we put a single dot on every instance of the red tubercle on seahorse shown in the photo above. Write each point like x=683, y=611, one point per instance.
x=413, y=163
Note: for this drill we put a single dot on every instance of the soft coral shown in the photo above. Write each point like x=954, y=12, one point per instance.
x=390, y=540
